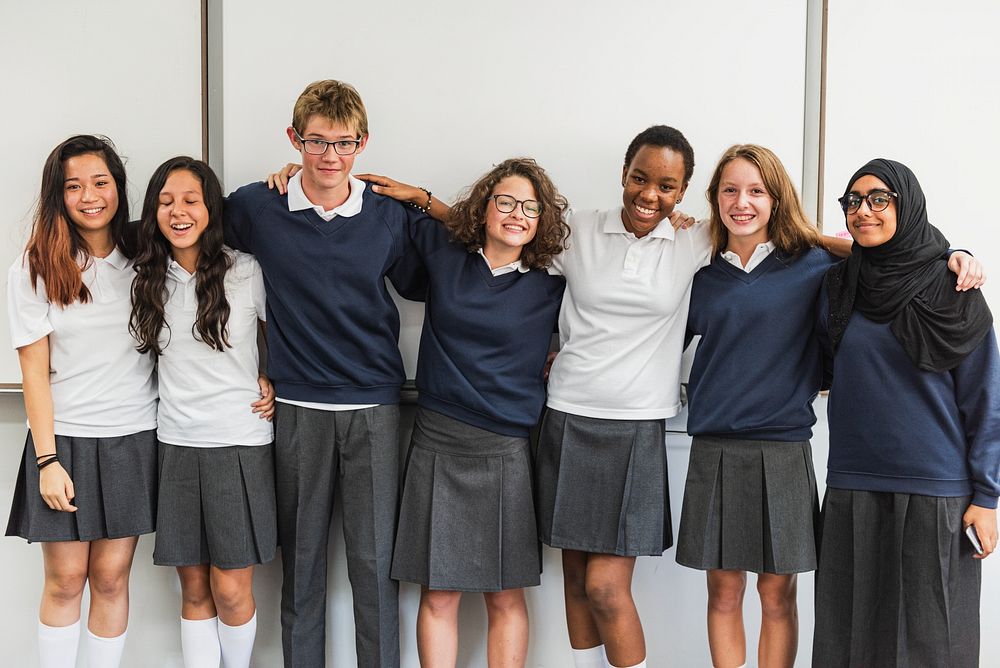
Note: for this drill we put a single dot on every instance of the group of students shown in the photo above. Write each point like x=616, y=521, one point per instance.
x=106, y=315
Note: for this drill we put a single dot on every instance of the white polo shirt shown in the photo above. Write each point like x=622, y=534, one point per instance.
x=101, y=386
x=205, y=394
x=623, y=317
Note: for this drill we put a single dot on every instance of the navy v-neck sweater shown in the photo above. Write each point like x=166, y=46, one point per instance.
x=485, y=337
x=897, y=428
x=332, y=327
x=758, y=365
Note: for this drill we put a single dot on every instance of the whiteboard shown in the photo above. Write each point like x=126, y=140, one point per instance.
x=454, y=87
x=128, y=70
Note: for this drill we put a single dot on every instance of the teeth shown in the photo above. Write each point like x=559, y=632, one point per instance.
x=742, y=218
x=644, y=211
x=92, y=211
x=180, y=226
x=514, y=228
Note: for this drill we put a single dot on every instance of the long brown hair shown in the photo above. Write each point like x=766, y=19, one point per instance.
x=789, y=227
x=467, y=219
x=56, y=245
x=149, y=291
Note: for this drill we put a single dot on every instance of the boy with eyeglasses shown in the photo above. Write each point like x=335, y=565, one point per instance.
x=325, y=249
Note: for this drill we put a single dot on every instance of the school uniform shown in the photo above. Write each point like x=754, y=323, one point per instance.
x=750, y=500
x=914, y=414
x=104, y=407
x=467, y=517
x=216, y=497
x=601, y=462
x=334, y=360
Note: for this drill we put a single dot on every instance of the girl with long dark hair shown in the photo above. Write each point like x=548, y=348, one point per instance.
x=196, y=306
x=86, y=488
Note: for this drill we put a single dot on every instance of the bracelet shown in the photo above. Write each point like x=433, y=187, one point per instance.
x=51, y=459
x=47, y=454
x=423, y=209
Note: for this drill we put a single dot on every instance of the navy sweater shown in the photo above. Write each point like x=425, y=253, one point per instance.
x=332, y=327
x=897, y=428
x=757, y=368
x=485, y=337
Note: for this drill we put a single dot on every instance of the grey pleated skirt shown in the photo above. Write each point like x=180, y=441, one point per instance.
x=467, y=516
x=896, y=585
x=115, y=484
x=750, y=506
x=216, y=506
x=602, y=485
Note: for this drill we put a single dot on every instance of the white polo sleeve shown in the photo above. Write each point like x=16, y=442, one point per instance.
x=27, y=307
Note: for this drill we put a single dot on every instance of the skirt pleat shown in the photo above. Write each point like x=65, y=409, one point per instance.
x=216, y=506
x=115, y=482
x=602, y=485
x=896, y=585
x=467, y=516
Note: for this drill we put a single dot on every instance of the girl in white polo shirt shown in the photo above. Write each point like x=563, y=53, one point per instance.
x=196, y=307
x=86, y=488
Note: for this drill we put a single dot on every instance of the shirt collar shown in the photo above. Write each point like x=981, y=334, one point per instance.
x=613, y=225
x=177, y=272
x=297, y=200
x=516, y=264
x=115, y=258
x=762, y=250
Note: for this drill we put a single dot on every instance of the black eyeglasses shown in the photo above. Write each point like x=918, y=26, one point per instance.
x=319, y=146
x=505, y=204
x=878, y=200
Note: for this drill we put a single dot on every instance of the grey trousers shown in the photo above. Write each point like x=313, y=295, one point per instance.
x=353, y=456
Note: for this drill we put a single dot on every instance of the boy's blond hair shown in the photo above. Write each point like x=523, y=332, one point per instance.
x=333, y=100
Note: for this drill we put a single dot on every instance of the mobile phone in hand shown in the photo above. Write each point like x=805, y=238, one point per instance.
x=970, y=532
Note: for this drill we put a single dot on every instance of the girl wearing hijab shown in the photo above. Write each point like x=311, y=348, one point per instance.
x=914, y=416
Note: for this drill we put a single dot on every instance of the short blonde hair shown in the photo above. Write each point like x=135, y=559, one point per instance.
x=333, y=100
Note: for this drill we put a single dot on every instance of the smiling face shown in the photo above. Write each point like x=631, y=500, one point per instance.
x=744, y=204
x=324, y=177
x=652, y=184
x=182, y=216
x=507, y=233
x=90, y=194
x=871, y=228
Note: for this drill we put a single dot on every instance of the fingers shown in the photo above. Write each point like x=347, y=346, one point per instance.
x=988, y=539
x=264, y=406
x=56, y=488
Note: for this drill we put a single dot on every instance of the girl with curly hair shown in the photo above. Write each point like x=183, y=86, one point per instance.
x=196, y=306
x=86, y=488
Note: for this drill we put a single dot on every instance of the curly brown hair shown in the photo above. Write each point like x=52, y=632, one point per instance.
x=466, y=222
x=789, y=227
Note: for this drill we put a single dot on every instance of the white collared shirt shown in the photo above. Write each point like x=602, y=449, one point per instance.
x=205, y=394
x=101, y=386
x=759, y=255
x=516, y=265
x=623, y=317
x=297, y=201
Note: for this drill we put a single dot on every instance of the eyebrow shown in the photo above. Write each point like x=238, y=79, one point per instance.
x=640, y=172
x=95, y=176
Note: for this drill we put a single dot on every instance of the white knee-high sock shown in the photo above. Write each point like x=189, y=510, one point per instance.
x=57, y=645
x=200, y=642
x=589, y=658
x=237, y=643
x=105, y=652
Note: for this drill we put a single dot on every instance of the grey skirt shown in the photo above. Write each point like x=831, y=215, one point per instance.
x=602, y=485
x=749, y=506
x=467, y=517
x=896, y=584
x=216, y=506
x=115, y=484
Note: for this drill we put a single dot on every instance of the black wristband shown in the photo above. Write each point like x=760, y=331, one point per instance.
x=50, y=460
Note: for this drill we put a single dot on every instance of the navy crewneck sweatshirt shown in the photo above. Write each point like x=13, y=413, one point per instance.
x=485, y=338
x=332, y=327
x=897, y=428
x=758, y=365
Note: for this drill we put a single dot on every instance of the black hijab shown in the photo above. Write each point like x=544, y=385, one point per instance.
x=906, y=281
